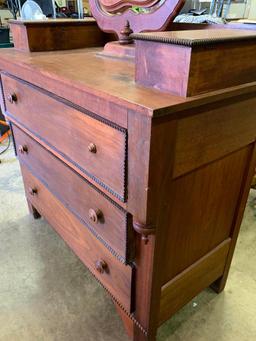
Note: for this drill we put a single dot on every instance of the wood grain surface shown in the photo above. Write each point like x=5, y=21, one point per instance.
x=183, y=165
x=51, y=35
x=78, y=195
x=70, y=132
x=117, y=277
x=110, y=91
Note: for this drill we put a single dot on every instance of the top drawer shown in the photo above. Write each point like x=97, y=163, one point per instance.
x=96, y=148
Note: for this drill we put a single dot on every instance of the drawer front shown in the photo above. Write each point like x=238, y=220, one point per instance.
x=101, y=215
x=96, y=148
x=114, y=276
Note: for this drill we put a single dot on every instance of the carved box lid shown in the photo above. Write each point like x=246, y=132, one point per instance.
x=197, y=37
x=189, y=63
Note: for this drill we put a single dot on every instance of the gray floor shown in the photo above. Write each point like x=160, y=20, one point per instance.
x=47, y=294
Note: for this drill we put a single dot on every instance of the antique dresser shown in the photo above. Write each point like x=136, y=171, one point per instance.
x=142, y=166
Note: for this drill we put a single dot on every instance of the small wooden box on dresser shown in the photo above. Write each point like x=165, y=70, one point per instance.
x=148, y=187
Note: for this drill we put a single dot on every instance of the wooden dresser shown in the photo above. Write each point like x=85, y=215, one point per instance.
x=148, y=188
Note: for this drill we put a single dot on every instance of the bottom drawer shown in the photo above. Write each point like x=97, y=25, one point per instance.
x=114, y=276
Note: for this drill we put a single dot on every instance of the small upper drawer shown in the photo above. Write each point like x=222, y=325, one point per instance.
x=104, y=218
x=98, y=149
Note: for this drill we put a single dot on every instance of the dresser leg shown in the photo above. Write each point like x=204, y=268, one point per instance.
x=133, y=331
x=140, y=336
x=33, y=211
x=219, y=285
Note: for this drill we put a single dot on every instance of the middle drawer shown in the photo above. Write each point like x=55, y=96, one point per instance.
x=106, y=220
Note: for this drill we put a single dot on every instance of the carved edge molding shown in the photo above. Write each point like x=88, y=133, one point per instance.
x=189, y=42
x=122, y=197
x=144, y=230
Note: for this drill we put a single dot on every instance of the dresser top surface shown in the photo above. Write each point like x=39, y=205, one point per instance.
x=108, y=78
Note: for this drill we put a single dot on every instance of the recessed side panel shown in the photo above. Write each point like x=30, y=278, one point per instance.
x=202, y=210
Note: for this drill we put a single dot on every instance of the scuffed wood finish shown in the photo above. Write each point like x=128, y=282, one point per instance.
x=50, y=35
x=209, y=198
x=188, y=63
x=117, y=277
x=188, y=167
x=112, y=224
x=71, y=132
x=112, y=15
x=199, y=275
x=227, y=124
x=185, y=249
x=219, y=285
x=111, y=98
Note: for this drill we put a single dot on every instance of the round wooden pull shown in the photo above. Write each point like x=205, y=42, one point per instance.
x=12, y=98
x=23, y=149
x=92, y=148
x=32, y=191
x=101, y=266
x=95, y=215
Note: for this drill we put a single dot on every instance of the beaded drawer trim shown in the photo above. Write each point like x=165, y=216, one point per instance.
x=122, y=197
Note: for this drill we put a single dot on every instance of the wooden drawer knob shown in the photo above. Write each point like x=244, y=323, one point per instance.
x=101, y=266
x=32, y=191
x=12, y=98
x=23, y=149
x=92, y=148
x=95, y=216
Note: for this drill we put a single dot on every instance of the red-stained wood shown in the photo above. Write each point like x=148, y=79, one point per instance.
x=188, y=63
x=74, y=135
x=189, y=162
x=200, y=274
x=127, y=321
x=220, y=283
x=112, y=224
x=140, y=130
x=69, y=163
x=116, y=277
x=110, y=99
x=115, y=50
x=227, y=124
x=112, y=15
x=52, y=34
x=149, y=256
x=209, y=198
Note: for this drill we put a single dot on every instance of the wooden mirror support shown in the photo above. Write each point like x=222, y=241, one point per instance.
x=120, y=17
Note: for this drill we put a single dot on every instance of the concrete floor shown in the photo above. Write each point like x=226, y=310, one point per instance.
x=47, y=294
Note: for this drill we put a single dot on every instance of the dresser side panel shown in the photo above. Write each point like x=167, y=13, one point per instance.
x=201, y=211
x=215, y=131
x=198, y=209
x=216, y=148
